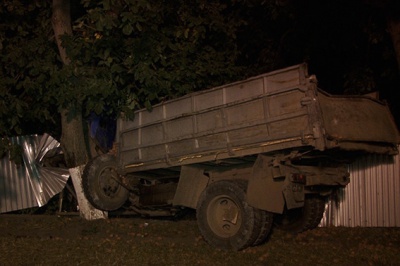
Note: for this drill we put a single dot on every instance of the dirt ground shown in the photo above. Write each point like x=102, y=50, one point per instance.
x=69, y=240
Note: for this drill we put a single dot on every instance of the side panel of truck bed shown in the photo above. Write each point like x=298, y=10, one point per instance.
x=271, y=112
x=261, y=114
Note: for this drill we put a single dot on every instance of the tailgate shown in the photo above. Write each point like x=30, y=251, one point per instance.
x=358, y=123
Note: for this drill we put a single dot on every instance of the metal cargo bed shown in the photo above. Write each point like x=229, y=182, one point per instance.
x=275, y=111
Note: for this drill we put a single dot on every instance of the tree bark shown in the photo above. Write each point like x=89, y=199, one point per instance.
x=87, y=211
x=391, y=9
x=72, y=137
x=61, y=20
x=394, y=30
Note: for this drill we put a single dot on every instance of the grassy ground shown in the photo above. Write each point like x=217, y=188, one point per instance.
x=68, y=240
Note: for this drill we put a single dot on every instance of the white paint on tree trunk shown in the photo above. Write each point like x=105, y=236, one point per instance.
x=87, y=211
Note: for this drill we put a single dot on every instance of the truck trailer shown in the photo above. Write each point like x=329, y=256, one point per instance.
x=248, y=155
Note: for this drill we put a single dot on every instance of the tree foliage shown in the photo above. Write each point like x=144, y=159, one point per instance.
x=124, y=55
x=127, y=54
x=28, y=60
x=139, y=52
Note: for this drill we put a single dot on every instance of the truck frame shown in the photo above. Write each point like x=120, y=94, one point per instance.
x=246, y=155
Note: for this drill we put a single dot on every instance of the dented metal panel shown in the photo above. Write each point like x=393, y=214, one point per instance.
x=372, y=199
x=30, y=184
x=358, y=123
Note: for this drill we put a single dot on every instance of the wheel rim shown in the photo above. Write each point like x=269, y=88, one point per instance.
x=107, y=182
x=224, y=217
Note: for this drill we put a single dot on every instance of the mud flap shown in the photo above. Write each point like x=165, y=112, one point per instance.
x=192, y=182
x=265, y=188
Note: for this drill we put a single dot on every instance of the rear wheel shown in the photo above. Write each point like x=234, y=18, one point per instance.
x=302, y=219
x=224, y=217
x=266, y=225
x=100, y=184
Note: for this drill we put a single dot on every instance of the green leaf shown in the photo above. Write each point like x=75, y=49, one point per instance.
x=99, y=107
x=148, y=105
x=115, y=68
x=139, y=27
x=127, y=29
x=106, y=4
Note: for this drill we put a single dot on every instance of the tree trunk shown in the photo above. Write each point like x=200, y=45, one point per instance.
x=394, y=30
x=391, y=9
x=86, y=210
x=72, y=139
x=392, y=12
x=61, y=20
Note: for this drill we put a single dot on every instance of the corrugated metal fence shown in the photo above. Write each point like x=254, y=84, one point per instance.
x=30, y=184
x=372, y=199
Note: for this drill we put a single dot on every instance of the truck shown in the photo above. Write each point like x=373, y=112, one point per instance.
x=246, y=156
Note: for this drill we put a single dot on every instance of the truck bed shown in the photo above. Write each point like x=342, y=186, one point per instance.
x=276, y=111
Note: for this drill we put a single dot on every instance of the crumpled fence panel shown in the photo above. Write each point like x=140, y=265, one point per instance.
x=31, y=184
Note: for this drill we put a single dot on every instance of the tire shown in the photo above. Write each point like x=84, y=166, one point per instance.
x=302, y=219
x=224, y=217
x=267, y=220
x=100, y=185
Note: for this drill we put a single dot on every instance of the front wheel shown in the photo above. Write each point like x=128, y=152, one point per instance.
x=100, y=184
x=302, y=219
x=226, y=220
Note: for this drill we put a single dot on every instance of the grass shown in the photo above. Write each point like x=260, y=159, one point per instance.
x=52, y=240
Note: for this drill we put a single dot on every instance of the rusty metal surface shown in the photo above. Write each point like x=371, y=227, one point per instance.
x=271, y=112
x=358, y=123
x=257, y=115
x=372, y=199
x=30, y=184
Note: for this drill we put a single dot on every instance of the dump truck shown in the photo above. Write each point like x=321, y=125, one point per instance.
x=265, y=151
